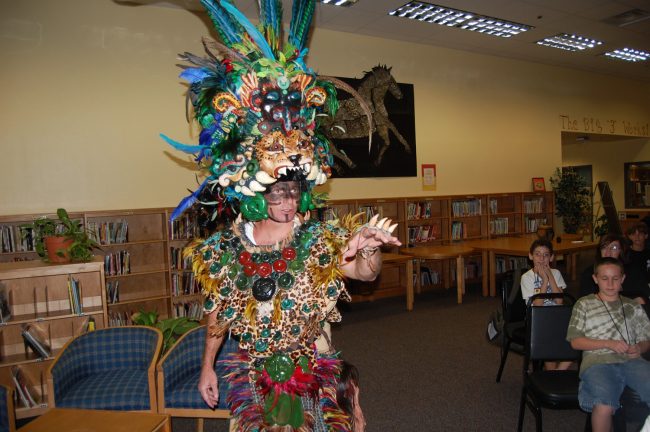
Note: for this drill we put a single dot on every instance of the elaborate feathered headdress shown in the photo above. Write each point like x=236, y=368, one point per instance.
x=257, y=102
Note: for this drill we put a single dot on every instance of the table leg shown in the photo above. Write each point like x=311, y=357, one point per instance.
x=409, y=284
x=574, y=259
x=460, y=278
x=418, y=282
x=486, y=269
x=493, y=274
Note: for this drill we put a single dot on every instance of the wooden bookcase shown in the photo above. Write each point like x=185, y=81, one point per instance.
x=157, y=279
x=505, y=218
x=37, y=296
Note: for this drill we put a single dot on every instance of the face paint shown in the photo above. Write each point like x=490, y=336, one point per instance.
x=282, y=199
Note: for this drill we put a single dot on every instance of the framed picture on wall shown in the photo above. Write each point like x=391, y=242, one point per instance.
x=538, y=184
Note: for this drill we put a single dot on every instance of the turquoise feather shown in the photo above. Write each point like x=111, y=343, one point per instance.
x=192, y=149
x=254, y=34
x=301, y=16
x=229, y=31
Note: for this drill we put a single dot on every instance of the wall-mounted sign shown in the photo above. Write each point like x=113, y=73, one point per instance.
x=428, y=176
x=604, y=126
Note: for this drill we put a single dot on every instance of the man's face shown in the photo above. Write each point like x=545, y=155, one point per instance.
x=282, y=199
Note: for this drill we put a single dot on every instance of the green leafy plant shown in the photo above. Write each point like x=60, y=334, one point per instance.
x=171, y=328
x=80, y=249
x=572, y=199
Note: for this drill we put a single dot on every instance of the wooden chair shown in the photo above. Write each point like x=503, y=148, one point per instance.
x=7, y=416
x=178, y=377
x=108, y=369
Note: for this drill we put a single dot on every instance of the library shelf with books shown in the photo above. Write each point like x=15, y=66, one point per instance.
x=427, y=221
x=504, y=214
x=48, y=304
x=468, y=217
x=537, y=209
x=133, y=244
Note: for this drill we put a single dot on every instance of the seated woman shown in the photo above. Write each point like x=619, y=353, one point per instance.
x=637, y=264
x=611, y=246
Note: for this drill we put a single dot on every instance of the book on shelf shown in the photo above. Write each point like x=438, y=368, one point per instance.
x=118, y=319
x=117, y=263
x=5, y=310
x=23, y=387
x=113, y=291
x=191, y=309
x=106, y=233
x=75, y=295
x=35, y=339
x=470, y=207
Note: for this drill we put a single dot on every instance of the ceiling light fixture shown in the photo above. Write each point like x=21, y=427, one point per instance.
x=569, y=42
x=460, y=19
x=339, y=2
x=628, y=54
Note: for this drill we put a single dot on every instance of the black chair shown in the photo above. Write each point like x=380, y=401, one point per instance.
x=513, y=309
x=546, y=329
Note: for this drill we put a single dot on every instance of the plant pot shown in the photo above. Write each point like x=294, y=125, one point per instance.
x=57, y=249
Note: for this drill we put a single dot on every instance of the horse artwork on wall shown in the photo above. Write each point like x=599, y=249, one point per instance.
x=393, y=130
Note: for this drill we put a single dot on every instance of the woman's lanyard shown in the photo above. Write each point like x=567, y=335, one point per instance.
x=628, y=341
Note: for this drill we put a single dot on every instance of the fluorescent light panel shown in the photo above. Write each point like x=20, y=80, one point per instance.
x=339, y=2
x=569, y=42
x=460, y=19
x=628, y=54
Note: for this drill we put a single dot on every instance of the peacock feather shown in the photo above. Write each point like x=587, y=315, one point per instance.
x=271, y=23
x=229, y=30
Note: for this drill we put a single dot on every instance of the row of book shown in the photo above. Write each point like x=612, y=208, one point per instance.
x=534, y=205
x=76, y=297
x=368, y=212
x=419, y=210
x=466, y=208
x=35, y=338
x=117, y=263
x=118, y=319
x=532, y=224
x=504, y=264
x=427, y=276
x=105, y=233
x=499, y=226
x=458, y=230
x=177, y=261
x=191, y=309
x=24, y=395
x=184, y=227
x=424, y=233
x=113, y=292
x=185, y=284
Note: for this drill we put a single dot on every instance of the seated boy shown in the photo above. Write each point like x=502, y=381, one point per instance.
x=613, y=331
x=543, y=279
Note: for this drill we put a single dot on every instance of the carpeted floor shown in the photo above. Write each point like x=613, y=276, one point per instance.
x=431, y=369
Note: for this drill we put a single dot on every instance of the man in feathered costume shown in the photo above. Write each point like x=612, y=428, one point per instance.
x=272, y=277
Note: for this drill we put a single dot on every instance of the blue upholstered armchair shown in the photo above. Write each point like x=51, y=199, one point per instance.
x=178, y=378
x=111, y=369
x=7, y=417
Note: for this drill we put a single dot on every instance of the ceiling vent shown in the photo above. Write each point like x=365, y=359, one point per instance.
x=632, y=16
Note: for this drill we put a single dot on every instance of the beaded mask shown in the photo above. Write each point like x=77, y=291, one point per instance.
x=256, y=103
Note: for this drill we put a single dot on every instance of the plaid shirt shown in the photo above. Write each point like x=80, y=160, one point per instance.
x=594, y=320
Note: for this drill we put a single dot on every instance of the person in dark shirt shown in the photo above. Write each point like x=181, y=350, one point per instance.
x=637, y=263
x=610, y=245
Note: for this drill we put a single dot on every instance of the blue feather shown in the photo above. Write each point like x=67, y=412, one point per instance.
x=255, y=35
x=227, y=29
x=192, y=149
x=187, y=202
x=193, y=75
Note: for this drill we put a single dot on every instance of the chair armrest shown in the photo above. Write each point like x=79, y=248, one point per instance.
x=183, y=359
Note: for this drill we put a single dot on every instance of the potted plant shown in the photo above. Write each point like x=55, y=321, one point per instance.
x=171, y=328
x=61, y=240
x=572, y=200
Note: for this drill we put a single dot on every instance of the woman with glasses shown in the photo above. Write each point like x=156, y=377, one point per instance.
x=611, y=246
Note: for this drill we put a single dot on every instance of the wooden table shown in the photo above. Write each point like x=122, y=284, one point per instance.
x=437, y=253
x=520, y=246
x=79, y=420
x=407, y=261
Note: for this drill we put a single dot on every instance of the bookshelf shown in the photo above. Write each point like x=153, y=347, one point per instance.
x=537, y=209
x=427, y=221
x=468, y=218
x=40, y=302
x=505, y=218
